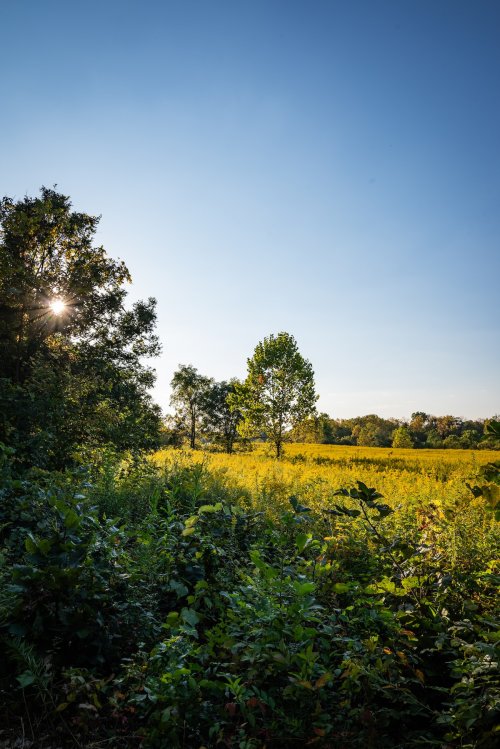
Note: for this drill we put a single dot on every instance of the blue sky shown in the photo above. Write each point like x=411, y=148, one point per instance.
x=331, y=169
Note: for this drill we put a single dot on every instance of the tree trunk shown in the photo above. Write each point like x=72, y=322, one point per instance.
x=192, y=433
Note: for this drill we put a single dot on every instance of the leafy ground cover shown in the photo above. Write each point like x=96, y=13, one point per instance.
x=199, y=601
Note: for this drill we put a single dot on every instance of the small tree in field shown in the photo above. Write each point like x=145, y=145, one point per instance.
x=402, y=438
x=278, y=392
x=189, y=390
x=220, y=422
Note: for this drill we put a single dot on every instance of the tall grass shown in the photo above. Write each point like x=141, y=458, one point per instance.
x=417, y=478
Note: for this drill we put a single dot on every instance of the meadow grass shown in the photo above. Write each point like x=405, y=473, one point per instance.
x=313, y=472
x=426, y=488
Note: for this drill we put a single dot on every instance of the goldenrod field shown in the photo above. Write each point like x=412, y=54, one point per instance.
x=313, y=472
x=426, y=488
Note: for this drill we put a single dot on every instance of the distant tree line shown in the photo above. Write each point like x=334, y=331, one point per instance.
x=421, y=431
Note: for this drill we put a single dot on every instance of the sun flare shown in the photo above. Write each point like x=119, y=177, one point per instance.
x=57, y=306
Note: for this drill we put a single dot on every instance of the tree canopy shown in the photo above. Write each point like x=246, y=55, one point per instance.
x=189, y=391
x=70, y=372
x=402, y=438
x=278, y=391
x=220, y=421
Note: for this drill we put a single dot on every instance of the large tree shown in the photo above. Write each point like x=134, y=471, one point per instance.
x=71, y=353
x=278, y=391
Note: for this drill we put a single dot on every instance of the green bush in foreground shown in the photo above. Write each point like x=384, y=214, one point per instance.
x=148, y=608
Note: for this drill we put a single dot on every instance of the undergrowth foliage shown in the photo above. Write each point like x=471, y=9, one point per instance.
x=153, y=606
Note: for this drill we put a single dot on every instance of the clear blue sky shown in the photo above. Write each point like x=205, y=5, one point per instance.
x=331, y=169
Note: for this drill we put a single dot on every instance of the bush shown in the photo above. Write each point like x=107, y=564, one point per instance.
x=154, y=607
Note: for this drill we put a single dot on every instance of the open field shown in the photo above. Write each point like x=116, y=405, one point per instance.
x=427, y=489
x=313, y=472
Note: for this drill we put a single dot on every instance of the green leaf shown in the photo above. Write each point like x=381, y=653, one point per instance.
x=30, y=544
x=476, y=490
x=267, y=571
x=172, y=619
x=26, y=679
x=297, y=507
x=410, y=583
x=387, y=585
x=71, y=518
x=302, y=541
x=256, y=559
x=303, y=589
x=341, y=510
x=44, y=546
x=341, y=493
x=190, y=617
x=178, y=588
x=210, y=508
x=341, y=587
x=346, y=511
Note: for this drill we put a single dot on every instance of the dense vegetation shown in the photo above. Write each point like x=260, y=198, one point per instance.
x=215, y=599
x=421, y=431
x=76, y=376
x=165, y=606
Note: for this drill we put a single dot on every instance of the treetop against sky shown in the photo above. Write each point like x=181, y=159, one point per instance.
x=329, y=169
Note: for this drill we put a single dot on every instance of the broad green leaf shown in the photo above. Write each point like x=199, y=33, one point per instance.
x=341, y=587
x=71, y=518
x=172, y=618
x=26, y=679
x=302, y=540
x=190, y=617
x=210, y=508
x=297, y=506
x=178, y=588
x=303, y=589
x=30, y=544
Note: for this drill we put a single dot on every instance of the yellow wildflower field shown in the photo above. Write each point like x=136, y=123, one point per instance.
x=313, y=472
x=426, y=488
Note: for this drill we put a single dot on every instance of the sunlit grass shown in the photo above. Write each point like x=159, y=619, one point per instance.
x=314, y=472
x=427, y=489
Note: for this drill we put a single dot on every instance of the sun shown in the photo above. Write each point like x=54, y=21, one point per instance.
x=57, y=306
